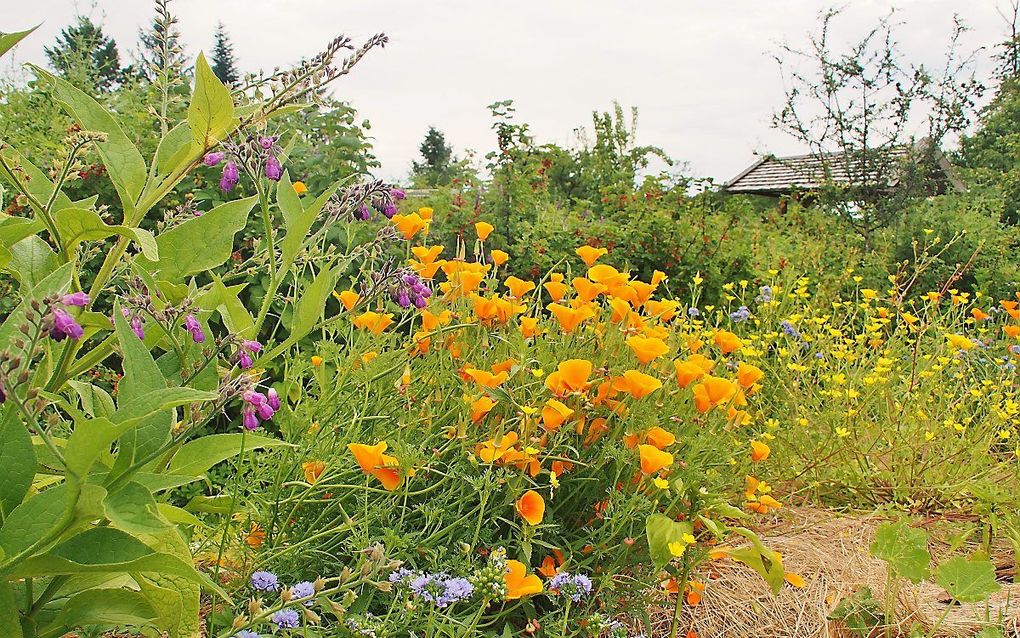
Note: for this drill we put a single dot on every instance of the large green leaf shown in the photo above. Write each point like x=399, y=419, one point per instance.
x=14, y=229
x=133, y=509
x=10, y=623
x=186, y=592
x=31, y=261
x=174, y=150
x=904, y=548
x=9, y=40
x=141, y=377
x=106, y=608
x=759, y=558
x=226, y=301
x=33, y=520
x=297, y=219
x=123, y=161
x=201, y=243
x=77, y=225
x=17, y=458
x=968, y=581
x=661, y=531
x=196, y=457
x=211, y=112
x=311, y=303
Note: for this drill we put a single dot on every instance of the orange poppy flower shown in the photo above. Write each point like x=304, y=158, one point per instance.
x=499, y=257
x=485, y=378
x=313, y=470
x=1011, y=331
x=570, y=318
x=570, y=376
x=255, y=536
x=548, y=568
x=653, y=459
x=373, y=462
x=531, y=507
x=660, y=438
x=483, y=230
x=979, y=315
x=375, y=322
x=596, y=429
x=409, y=225
x=554, y=414
x=348, y=298
x=637, y=384
x=518, y=287
x=586, y=290
x=491, y=451
x=719, y=389
x=300, y=188
x=556, y=289
x=748, y=375
x=727, y=341
x=427, y=254
x=663, y=310
x=607, y=275
x=519, y=582
x=759, y=451
x=529, y=327
x=589, y=254
x=481, y=407
x=687, y=372
x=647, y=349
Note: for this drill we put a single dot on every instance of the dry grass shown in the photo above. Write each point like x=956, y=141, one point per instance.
x=831, y=551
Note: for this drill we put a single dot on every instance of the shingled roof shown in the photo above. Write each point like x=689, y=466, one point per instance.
x=773, y=175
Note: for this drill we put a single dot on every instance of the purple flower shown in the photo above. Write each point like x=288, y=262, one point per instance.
x=231, y=176
x=191, y=325
x=397, y=194
x=286, y=619
x=574, y=586
x=740, y=315
x=264, y=581
x=389, y=209
x=136, y=327
x=267, y=142
x=246, y=633
x=214, y=158
x=79, y=299
x=273, y=169
x=64, y=326
x=251, y=346
x=303, y=589
x=249, y=420
x=363, y=213
x=765, y=295
x=273, y=399
x=693, y=312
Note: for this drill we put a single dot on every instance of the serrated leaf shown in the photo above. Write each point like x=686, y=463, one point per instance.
x=904, y=548
x=968, y=581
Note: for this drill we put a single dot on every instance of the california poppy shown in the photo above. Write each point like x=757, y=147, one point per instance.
x=483, y=230
x=589, y=254
x=647, y=349
x=519, y=582
x=531, y=507
x=653, y=459
x=373, y=462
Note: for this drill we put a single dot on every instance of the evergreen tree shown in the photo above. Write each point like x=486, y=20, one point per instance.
x=437, y=167
x=224, y=65
x=86, y=56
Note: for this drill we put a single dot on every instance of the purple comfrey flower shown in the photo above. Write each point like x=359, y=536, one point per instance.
x=574, y=586
x=273, y=399
x=303, y=589
x=246, y=633
x=231, y=176
x=213, y=159
x=191, y=325
x=244, y=360
x=397, y=193
x=273, y=169
x=136, y=327
x=264, y=581
x=389, y=209
x=79, y=299
x=363, y=213
x=64, y=326
x=251, y=346
x=267, y=142
x=286, y=619
x=249, y=420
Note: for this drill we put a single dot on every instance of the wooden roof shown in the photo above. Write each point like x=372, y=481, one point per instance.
x=779, y=175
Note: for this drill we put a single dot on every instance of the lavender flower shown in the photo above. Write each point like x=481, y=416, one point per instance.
x=191, y=325
x=764, y=294
x=574, y=586
x=267, y=142
x=273, y=399
x=397, y=193
x=740, y=315
x=304, y=589
x=231, y=176
x=246, y=633
x=789, y=330
x=286, y=619
x=136, y=327
x=64, y=326
x=403, y=576
x=79, y=299
x=693, y=312
x=363, y=213
x=273, y=169
x=251, y=346
x=438, y=589
x=264, y=581
x=213, y=159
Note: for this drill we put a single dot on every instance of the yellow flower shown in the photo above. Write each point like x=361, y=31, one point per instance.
x=300, y=188
x=483, y=230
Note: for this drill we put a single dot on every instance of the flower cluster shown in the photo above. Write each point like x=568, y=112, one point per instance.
x=573, y=586
x=409, y=289
x=59, y=324
x=258, y=406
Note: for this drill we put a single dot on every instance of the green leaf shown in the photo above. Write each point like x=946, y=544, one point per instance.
x=10, y=623
x=904, y=548
x=31, y=261
x=226, y=301
x=201, y=243
x=17, y=458
x=168, y=605
x=759, y=558
x=196, y=457
x=662, y=530
x=95, y=401
x=108, y=608
x=217, y=504
x=123, y=161
x=174, y=150
x=211, y=113
x=311, y=303
x=33, y=519
x=38, y=183
x=9, y=40
x=141, y=377
x=14, y=229
x=132, y=509
x=78, y=225
x=296, y=219
x=187, y=591
x=968, y=581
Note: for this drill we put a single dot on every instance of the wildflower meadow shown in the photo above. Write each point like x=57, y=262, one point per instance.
x=249, y=390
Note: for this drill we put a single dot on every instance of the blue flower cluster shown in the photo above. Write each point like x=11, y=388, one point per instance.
x=438, y=589
x=574, y=586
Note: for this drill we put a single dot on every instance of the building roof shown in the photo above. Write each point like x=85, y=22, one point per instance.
x=773, y=175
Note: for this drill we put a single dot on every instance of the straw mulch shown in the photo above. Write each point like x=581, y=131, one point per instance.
x=831, y=551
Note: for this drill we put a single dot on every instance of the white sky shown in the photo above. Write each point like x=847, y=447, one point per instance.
x=699, y=71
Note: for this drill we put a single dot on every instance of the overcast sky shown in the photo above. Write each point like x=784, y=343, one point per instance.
x=700, y=71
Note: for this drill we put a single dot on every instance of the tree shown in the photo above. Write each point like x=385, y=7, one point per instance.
x=856, y=110
x=224, y=65
x=438, y=165
x=86, y=56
